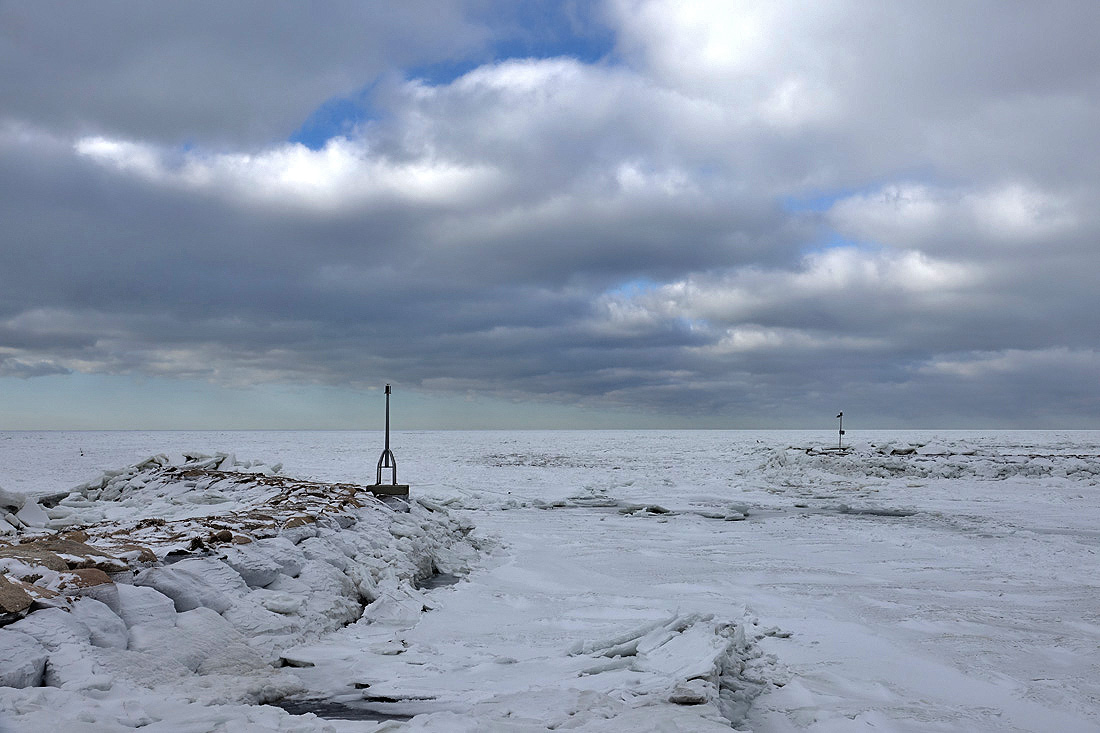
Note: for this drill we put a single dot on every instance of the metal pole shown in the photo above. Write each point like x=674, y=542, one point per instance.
x=387, y=460
x=840, y=438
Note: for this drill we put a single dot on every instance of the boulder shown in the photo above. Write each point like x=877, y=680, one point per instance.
x=14, y=601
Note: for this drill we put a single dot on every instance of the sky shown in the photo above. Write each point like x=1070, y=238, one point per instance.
x=549, y=214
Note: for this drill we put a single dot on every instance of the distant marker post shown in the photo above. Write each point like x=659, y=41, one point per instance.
x=840, y=438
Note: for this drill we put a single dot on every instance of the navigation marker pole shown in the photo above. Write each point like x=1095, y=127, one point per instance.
x=388, y=461
x=839, y=440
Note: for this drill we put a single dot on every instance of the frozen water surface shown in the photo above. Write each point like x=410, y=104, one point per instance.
x=680, y=581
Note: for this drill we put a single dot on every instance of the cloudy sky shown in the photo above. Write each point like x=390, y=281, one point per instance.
x=627, y=213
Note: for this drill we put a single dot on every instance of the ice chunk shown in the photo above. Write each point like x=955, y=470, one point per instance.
x=139, y=605
x=202, y=641
x=72, y=666
x=53, y=627
x=11, y=501
x=195, y=582
x=104, y=626
x=396, y=605
x=22, y=659
x=32, y=515
x=260, y=562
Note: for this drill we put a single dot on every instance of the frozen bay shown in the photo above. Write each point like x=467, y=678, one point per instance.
x=923, y=581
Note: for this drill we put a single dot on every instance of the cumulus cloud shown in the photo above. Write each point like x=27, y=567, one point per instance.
x=918, y=215
x=341, y=176
x=743, y=208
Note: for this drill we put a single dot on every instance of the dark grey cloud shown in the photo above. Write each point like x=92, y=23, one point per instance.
x=210, y=72
x=630, y=234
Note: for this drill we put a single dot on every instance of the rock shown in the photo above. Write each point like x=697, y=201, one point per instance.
x=132, y=553
x=14, y=601
x=299, y=521
x=81, y=555
x=59, y=554
x=22, y=659
x=34, y=554
x=38, y=594
x=83, y=578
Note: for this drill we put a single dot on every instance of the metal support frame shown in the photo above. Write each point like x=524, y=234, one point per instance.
x=387, y=460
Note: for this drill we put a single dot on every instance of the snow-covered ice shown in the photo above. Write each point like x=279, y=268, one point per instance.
x=605, y=581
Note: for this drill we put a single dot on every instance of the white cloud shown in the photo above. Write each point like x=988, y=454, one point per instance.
x=750, y=338
x=924, y=216
x=1008, y=362
x=759, y=58
x=343, y=174
x=823, y=281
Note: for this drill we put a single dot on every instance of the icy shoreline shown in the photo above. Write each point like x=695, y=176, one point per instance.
x=185, y=596
x=177, y=587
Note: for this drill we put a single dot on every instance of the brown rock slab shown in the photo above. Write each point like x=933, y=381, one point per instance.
x=299, y=521
x=33, y=553
x=13, y=598
x=84, y=578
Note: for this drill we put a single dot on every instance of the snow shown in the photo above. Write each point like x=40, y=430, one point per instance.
x=938, y=581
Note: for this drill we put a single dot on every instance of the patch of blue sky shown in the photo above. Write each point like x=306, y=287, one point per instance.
x=337, y=117
x=693, y=325
x=634, y=288
x=832, y=239
x=817, y=203
x=536, y=29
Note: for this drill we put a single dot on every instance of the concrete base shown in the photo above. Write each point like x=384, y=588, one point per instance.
x=388, y=489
